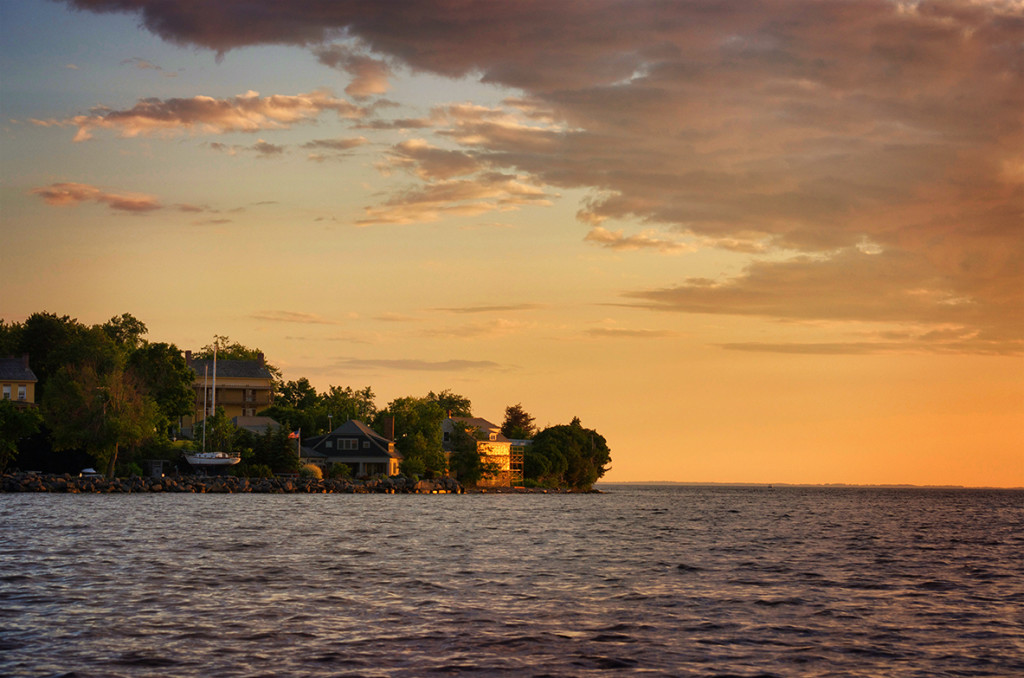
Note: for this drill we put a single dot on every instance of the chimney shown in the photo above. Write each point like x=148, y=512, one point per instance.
x=24, y=360
x=389, y=427
x=188, y=357
x=259, y=359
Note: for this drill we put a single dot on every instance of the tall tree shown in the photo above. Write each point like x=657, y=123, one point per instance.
x=568, y=456
x=15, y=423
x=166, y=378
x=452, y=404
x=126, y=331
x=98, y=411
x=417, y=423
x=518, y=424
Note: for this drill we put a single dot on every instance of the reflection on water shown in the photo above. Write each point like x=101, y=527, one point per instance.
x=684, y=581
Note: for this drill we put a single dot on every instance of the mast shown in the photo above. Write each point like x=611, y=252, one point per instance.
x=206, y=392
x=215, y=342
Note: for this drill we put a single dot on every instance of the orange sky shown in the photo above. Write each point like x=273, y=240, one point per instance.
x=747, y=242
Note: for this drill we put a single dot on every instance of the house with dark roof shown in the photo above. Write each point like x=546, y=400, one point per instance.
x=18, y=381
x=241, y=387
x=355, y=444
x=493, y=447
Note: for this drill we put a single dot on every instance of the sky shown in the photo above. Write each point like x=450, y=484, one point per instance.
x=777, y=241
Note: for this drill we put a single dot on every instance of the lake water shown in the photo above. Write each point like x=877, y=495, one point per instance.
x=663, y=581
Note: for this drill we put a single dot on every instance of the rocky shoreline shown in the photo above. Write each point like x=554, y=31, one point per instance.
x=72, y=484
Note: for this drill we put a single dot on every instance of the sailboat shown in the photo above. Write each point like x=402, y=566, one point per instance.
x=206, y=459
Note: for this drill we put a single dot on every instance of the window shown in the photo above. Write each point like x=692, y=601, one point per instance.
x=348, y=444
x=366, y=444
x=7, y=391
x=22, y=393
x=330, y=443
x=249, y=395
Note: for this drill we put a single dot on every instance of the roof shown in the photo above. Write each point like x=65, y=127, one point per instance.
x=232, y=369
x=482, y=426
x=379, y=445
x=16, y=369
x=255, y=424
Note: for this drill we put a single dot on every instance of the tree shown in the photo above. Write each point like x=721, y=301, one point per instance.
x=417, y=432
x=567, y=456
x=126, y=331
x=98, y=411
x=298, y=394
x=452, y=404
x=232, y=350
x=166, y=378
x=15, y=423
x=518, y=424
x=345, y=403
x=466, y=461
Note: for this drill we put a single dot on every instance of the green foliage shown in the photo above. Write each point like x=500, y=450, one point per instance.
x=259, y=471
x=418, y=432
x=126, y=469
x=167, y=379
x=126, y=331
x=452, y=404
x=567, y=456
x=518, y=424
x=232, y=350
x=339, y=470
x=467, y=463
x=299, y=406
x=412, y=468
x=98, y=411
x=276, y=450
x=15, y=423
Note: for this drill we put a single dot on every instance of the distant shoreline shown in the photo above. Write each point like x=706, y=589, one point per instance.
x=887, y=486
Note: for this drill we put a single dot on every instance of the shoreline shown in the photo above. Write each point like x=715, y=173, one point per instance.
x=73, y=484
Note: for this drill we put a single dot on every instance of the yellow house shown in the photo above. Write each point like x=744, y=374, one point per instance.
x=241, y=387
x=17, y=381
x=493, y=447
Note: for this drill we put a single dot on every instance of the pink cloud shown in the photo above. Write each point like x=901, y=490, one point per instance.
x=71, y=194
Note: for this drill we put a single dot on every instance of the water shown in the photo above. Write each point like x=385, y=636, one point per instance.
x=664, y=581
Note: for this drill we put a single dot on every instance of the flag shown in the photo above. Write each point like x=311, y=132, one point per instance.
x=293, y=435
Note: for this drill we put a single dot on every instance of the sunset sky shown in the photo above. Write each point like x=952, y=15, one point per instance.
x=777, y=241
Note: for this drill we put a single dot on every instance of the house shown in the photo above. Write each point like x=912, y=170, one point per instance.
x=257, y=425
x=491, y=445
x=355, y=444
x=241, y=387
x=17, y=381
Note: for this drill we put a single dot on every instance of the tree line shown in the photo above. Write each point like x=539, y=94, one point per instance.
x=109, y=395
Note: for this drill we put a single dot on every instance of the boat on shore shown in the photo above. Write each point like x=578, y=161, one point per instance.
x=207, y=459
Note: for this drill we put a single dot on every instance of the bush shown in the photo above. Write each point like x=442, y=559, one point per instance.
x=339, y=470
x=129, y=469
x=311, y=471
x=260, y=471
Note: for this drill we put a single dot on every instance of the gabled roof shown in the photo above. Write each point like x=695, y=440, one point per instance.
x=482, y=426
x=379, y=445
x=256, y=424
x=232, y=369
x=16, y=369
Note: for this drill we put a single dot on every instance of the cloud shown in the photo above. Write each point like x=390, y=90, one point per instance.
x=415, y=365
x=72, y=194
x=622, y=243
x=624, y=333
x=490, y=309
x=292, y=317
x=763, y=127
x=462, y=197
x=429, y=162
x=247, y=112
x=369, y=75
x=328, y=149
